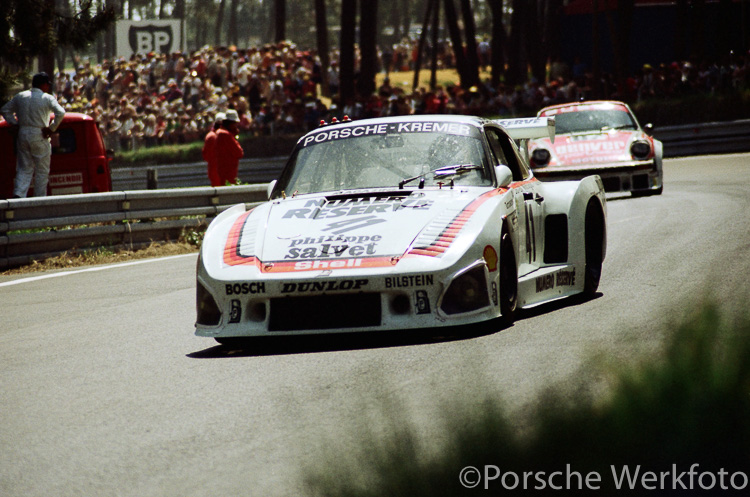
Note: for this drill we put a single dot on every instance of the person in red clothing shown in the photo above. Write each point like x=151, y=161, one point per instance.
x=209, y=150
x=228, y=149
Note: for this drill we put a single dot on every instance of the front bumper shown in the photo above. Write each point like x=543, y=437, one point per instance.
x=642, y=176
x=365, y=302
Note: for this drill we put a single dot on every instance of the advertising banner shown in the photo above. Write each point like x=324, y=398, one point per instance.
x=142, y=37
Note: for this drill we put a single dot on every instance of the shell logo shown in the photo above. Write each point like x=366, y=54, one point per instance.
x=490, y=257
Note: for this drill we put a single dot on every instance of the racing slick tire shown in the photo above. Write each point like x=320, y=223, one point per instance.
x=508, y=280
x=594, y=234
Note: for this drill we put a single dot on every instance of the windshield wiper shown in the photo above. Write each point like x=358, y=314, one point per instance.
x=622, y=126
x=440, y=172
x=453, y=170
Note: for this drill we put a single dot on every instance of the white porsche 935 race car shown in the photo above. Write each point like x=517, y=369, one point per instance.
x=400, y=223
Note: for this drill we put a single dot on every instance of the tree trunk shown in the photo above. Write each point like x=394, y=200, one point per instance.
x=368, y=34
x=232, y=33
x=219, y=24
x=346, y=63
x=620, y=36
x=451, y=20
x=435, y=41
x=599, y=92
x=699, y=29
x=534, y=41
x=516, y=52
x=47, y=59
x=498, y=42
x=321, y=33
x=680, y=31
x=472, y=57
x=280, y=19
x=431, y=4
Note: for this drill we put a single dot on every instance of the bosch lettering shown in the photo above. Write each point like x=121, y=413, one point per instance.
x=245, y=288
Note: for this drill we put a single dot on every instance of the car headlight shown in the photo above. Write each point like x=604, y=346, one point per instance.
x=640, y=149
x=468, y=292
x=208, y=312
x=540, y=156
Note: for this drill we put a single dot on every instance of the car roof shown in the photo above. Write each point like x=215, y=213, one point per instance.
x=584, y=103
x=70, y=117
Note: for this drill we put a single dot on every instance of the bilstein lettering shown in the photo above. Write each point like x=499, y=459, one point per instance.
x=409, y=281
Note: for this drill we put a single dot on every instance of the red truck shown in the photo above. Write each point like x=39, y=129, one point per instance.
x=79, y=164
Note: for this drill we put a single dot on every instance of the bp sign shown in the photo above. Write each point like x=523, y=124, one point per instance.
x=143, y=37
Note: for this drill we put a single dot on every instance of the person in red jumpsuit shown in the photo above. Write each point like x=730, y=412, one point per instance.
x=209, y=150
x=228, y=149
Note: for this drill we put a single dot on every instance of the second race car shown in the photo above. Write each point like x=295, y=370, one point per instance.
x=602, y=138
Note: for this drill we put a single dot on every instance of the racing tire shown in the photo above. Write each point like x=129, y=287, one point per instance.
x=594, y=234
x=508, y=280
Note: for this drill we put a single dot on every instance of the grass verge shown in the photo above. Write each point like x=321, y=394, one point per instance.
x=103, y=255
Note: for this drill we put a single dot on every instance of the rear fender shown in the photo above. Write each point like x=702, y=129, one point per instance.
x=572, y=199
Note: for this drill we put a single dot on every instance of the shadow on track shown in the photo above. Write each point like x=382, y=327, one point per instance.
x=556, y=305
x=336, y=342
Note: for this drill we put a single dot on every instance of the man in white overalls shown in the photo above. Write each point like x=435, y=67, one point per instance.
x=30, y=111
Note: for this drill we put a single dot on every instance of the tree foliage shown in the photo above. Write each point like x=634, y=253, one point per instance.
x=36, y=28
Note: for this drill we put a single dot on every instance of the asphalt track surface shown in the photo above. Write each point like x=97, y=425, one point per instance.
x=105, y=390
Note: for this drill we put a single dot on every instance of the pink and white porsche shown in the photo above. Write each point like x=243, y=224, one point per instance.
x=400, y=223
x=602, y=138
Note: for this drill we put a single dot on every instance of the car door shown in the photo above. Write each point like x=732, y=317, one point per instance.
x=528, y=198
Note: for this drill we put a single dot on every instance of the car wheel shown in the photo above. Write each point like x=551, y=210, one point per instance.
x=508, y=280
x=594, y=233
x=229, y=341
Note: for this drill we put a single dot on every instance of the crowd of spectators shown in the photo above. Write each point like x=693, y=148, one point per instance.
x=152, y=99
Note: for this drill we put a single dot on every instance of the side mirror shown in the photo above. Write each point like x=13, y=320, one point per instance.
x=270, y=188
x=649, y=129
x=504, y=175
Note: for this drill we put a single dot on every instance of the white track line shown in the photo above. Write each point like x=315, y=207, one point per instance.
x=90, y=269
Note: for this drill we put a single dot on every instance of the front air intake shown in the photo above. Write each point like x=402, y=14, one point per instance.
x=325, y=312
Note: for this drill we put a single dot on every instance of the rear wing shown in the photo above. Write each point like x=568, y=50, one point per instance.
x=529, y=128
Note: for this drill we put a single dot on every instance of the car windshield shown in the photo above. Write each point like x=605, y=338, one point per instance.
x=344, y=158
x=593, y=120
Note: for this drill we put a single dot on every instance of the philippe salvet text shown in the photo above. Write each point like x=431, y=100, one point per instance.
x=626, y=477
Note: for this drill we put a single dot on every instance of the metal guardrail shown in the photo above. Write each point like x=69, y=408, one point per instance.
x=705, y=138
x=251, y=171
x=38, y=228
